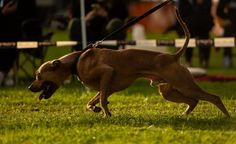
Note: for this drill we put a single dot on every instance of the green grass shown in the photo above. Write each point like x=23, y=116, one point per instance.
x=139, y=114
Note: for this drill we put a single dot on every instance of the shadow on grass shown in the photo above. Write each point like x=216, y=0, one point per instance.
x=177, y=123
x=141, y=121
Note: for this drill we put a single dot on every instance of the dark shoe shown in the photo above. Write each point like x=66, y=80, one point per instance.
x=204, y=64
x=227, y=62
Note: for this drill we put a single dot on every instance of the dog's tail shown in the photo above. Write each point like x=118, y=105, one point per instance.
x=180, y=52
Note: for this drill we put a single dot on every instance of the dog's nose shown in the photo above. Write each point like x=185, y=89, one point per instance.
x=34, y=87
x=30, y=87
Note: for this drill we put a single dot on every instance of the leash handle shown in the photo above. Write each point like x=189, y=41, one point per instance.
x=130, y=23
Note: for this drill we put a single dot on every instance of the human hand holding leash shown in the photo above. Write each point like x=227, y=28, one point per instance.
x=10, y=7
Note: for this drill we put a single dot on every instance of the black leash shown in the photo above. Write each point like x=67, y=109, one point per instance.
x=130, y=23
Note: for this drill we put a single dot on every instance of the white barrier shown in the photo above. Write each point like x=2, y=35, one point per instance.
x=216, y=42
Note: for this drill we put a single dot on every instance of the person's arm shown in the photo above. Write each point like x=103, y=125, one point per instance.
x=217, y=29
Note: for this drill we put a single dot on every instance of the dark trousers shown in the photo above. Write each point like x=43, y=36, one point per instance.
x=7, y=59
x=94, y=35
x=229, y=31
x=204, y=53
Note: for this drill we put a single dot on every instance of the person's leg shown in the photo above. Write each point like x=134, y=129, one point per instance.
x=227, y=55
x=204, y=55
x=75, y=33
x=7, y=59
x=113, y=25
x=188, y=56
x=227, y=59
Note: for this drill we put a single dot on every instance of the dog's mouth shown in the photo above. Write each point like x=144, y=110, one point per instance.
x=48, y=88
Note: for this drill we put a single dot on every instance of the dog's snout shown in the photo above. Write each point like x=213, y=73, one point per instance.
x=31, y=87
x=34, y=87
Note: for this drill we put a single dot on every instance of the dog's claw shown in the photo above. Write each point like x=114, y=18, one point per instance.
x=183, y=114
x=107, y=115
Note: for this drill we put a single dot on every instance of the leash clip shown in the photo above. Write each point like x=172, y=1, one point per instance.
x=97, y=43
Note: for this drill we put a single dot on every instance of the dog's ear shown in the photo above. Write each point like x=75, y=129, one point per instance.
x=56, y=63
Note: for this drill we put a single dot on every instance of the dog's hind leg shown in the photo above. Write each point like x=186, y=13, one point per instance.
x=171, y=94
x=215, y=100
x=202, y=95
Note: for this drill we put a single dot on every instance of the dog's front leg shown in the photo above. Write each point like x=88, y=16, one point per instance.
x=107, y=73
x=92, y=103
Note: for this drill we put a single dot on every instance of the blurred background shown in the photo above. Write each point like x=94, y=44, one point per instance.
x=60, y=20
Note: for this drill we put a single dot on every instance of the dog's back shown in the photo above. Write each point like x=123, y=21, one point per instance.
x=120, y=58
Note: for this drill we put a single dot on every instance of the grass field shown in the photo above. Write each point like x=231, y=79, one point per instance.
x=139, y=115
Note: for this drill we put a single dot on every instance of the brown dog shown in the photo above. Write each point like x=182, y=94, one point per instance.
x=109, y=71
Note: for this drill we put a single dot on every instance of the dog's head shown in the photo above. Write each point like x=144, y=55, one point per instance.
x=49, y=77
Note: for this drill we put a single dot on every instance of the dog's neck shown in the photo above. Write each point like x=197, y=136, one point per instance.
x=74, y=66
x=70, y=61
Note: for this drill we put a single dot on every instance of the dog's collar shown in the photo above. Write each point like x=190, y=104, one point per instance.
x=74, y=66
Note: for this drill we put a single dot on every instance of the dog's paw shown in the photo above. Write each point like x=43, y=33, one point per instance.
x=93, y=108
x=96, y=109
